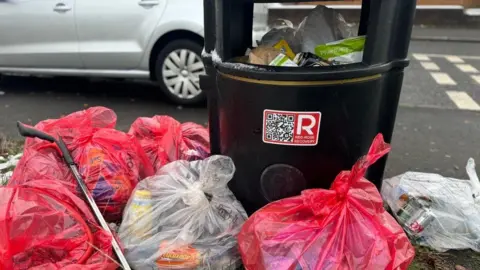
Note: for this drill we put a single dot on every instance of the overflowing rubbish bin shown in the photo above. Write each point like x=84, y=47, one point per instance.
x=289, y=128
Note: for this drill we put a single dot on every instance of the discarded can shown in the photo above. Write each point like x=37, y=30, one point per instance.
x=410, y=206
x=421, y=220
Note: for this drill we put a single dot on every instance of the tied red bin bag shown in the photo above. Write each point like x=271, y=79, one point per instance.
x=111, y=162
x=40, y=158
x=44, y=226
x=345, y=227
x=164, y=140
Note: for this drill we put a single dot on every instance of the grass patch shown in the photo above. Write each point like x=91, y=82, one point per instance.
x=10, y=146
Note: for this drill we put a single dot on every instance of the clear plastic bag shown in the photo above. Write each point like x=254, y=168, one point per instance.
x=185, y=217
x=438, y=212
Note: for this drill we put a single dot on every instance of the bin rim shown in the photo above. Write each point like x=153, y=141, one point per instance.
x=339, y=72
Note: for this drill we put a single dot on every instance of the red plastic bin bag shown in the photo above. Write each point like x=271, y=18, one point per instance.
x=76, y=127
x=45, y=226
x=345, y=227
x=41, y=159
x=111, y=162
x=164, y=140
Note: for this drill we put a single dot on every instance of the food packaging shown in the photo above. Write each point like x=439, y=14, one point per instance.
x=263, y=55
x=346, y=51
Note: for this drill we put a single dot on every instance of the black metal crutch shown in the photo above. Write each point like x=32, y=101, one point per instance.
x=26, y=131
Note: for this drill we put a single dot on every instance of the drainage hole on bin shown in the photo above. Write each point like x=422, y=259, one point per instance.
x=280, y=181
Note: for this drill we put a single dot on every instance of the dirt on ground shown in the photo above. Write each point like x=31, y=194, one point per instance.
x=9, y=146
x=427, y=259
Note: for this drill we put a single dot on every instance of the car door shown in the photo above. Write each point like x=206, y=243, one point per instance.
x=114, y=34
x=38, y=34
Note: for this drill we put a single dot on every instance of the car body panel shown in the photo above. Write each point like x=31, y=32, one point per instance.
x=179, y=15
x=95, y=38
x=115, y=34
x=32, y=34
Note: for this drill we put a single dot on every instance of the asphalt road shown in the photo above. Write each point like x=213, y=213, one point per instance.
x=436, y=131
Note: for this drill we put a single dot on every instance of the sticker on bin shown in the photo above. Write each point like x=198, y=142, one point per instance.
x=291, y=128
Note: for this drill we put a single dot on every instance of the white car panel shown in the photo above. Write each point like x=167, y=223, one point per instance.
x=38, y=33
x=111, y=38
x=184, y=15
x=114, y=34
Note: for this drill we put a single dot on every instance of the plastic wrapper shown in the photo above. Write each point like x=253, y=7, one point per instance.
x=164, y=139
x=310, y=60
x=281, y=30
x=342, y=52
x=111, y=162
x=345, y=227
x=282, y=61
x=184, y=218
x=439, y=212
x=45, y=226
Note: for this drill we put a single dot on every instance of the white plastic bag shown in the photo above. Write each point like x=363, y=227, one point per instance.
x=185, y=217
x=322, y=25
x=453, y=205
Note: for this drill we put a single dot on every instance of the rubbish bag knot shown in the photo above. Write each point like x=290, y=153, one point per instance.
x=195, y=197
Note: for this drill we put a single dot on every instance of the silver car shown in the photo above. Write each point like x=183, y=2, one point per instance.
x=161, y=40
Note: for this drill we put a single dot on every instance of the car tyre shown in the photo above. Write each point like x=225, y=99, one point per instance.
x=177, y=68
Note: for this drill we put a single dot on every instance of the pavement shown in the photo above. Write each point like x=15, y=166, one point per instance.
x=437, y=127
x=424, y=33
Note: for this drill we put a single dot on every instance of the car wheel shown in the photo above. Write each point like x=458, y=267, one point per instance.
x=178, y=68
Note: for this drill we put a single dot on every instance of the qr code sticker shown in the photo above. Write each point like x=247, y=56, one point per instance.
x=279, y=127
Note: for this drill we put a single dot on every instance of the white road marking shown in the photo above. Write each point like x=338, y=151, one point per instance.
x=476, y=78
x=421, y=57
x=467, y=68
x=442, y=78
x=463, y=100
x=472, y=57
x=454, y=59
x=430, y=66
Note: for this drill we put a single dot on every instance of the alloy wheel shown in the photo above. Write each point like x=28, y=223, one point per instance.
x=181, y=72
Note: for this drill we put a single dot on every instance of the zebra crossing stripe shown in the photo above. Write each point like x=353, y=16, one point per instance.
x=442, y=78
x=454, y=59
x=467, y=68
x=429, y=66
x=476, y=78
x=421, y=57
x=463, y=100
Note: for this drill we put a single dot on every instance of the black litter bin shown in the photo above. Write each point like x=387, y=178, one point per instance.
x=291, y=128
